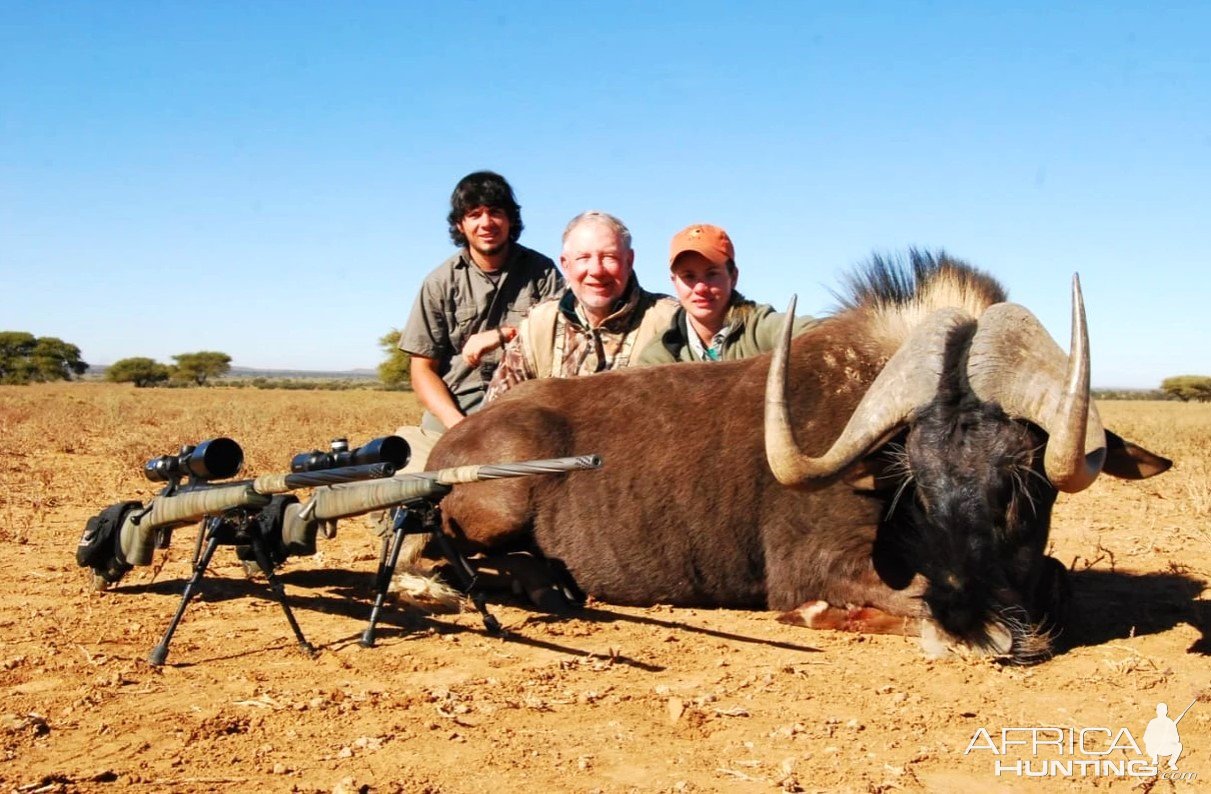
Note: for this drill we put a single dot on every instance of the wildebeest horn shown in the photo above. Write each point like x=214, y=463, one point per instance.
x=909, y=379
x=1015, y=362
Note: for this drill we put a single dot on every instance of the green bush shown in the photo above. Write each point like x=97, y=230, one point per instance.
x=201, y=366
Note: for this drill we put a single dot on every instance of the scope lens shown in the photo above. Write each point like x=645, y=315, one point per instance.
x=215, y=459
x=385, y=449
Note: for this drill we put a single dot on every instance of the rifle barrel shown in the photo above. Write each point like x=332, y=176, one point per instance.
x=496, y=471
x=367, y=471
x=192, y=503
x=269, y=484
x=346, y=501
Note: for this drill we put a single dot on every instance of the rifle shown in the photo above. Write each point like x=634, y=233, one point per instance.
x=413, y=499
x=246, y=514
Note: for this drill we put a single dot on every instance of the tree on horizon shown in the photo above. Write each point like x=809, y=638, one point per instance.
x=201, y=366
x=1188, y=387
x=25, y=358
x=139, y=370
x=395, y=372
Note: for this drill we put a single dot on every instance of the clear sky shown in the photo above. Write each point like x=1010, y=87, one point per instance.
x=271, y=179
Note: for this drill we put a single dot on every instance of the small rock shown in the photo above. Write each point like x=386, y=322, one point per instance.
x=676, y=709
x=347, y=785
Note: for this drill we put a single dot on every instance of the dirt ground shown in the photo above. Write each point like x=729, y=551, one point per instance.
x=611, y=700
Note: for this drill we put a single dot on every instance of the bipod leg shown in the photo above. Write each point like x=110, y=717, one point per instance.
x=209, y=531
x=197, y=544
x=466, y=577
x=278, y=590
x=386, y=569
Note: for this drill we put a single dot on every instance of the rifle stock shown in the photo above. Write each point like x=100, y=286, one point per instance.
x=301, y=522
x=137, y=538
x=345, y=501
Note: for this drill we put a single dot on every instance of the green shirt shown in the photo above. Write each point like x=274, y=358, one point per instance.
x=752, y=329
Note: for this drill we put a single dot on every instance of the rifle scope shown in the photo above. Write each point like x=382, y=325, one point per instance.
x=385, y=449
x=213, y=459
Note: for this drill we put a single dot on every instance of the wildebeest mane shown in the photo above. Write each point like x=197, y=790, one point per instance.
x=893, y=293
x=884, y=283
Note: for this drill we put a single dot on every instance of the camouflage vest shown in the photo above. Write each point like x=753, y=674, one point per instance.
x=546, y=335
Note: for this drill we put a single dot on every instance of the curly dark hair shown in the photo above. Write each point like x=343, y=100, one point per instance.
x=483, y=189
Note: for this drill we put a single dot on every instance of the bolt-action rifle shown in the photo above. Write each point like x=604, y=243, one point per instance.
x=246, y=514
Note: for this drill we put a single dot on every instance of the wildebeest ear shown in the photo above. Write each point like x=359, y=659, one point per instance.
x=872, y=473
x=1131, y=461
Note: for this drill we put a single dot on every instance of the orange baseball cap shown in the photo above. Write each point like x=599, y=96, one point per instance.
x=703, y=238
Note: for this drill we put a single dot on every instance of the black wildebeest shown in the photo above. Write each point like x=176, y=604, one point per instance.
x=897, y=471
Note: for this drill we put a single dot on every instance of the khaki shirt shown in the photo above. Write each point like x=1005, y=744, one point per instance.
x=457, y=300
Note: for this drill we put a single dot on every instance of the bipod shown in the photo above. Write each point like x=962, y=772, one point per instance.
x=422, y=517
x=217, y=531
x=466, y=577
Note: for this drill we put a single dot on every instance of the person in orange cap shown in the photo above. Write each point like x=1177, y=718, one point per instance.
x=715, y=322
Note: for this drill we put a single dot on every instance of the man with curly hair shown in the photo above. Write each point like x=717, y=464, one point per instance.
x=471, y=305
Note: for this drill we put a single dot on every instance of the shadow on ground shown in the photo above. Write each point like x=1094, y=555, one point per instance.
x=1114, y=605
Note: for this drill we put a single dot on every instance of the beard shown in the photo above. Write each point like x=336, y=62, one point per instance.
x=488, y=250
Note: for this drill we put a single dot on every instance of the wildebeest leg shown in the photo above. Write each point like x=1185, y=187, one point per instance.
x=863, y=620
x=864, y=604
x=881, y=610
x=540, y=579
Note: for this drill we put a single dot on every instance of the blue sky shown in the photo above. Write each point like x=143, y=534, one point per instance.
x=271, y=179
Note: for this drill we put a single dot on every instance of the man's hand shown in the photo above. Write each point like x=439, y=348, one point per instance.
x=484, y=341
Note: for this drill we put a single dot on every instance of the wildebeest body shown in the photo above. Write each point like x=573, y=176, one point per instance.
x=885, y=475
x=685, y=510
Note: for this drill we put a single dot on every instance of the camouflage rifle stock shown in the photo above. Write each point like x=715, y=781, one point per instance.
x=137, y=536
x=138, y=530
x=345, y=501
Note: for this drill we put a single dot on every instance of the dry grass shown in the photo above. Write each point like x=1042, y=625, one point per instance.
x=580, y=703
x=83, y=445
